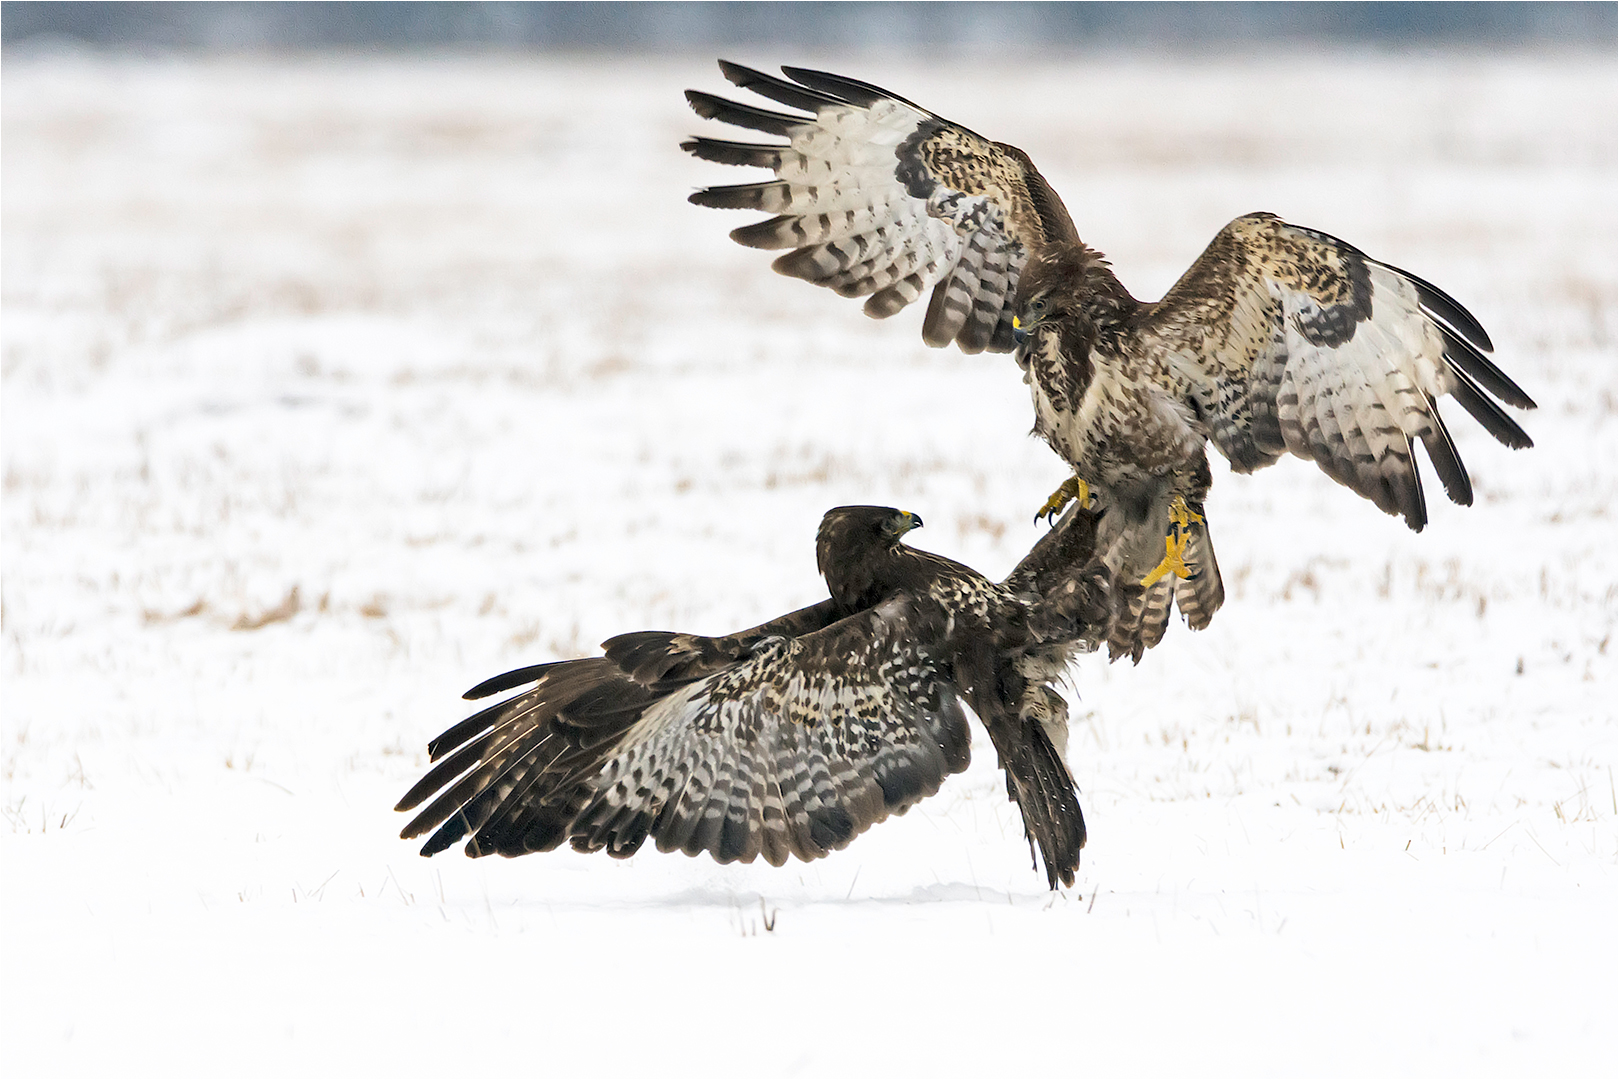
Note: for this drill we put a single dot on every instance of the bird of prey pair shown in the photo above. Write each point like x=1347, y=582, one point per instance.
x=793, y=737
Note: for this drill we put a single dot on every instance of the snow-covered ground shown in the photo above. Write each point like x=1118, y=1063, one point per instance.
x=333, y=386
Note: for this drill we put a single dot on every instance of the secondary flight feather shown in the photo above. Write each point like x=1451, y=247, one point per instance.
x=1279, y=339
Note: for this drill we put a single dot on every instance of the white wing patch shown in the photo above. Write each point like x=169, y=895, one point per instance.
x=853, y=223
x=1355, y=408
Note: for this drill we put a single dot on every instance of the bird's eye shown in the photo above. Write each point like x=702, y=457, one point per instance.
x=1037, y=306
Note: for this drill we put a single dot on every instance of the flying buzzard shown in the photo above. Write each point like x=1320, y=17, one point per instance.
x=1278, y=339
x=793, y=737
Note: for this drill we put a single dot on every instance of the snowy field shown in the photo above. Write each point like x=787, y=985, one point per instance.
x=333, y=386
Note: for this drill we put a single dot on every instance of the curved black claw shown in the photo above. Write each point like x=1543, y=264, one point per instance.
x=1059, y=499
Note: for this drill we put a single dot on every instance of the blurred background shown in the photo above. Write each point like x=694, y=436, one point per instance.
x=878, y=27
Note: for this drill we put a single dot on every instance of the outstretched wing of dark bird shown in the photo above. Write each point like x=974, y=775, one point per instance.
x=791, y=738
x=792, y=749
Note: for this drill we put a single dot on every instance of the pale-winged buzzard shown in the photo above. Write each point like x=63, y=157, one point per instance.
x=1279, y=339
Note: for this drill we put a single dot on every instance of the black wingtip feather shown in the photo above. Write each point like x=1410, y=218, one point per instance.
x=727, y=152
x=738, y=196
x=804, y=263
x=902, y=782
x=629, y=837
x=830, y=827
x=1461, y=354
x=506, y=681
x=1413, y=504
x=772, y=234
x=1447, y=463
x=853, y=91
x=546, y=829
x=778, y=90
x=1447, y=307
x=1488, y=413
x=451, y=831
x=710, y=107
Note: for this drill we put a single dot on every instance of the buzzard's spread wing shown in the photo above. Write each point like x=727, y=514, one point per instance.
x=793, y=749
x=1299, y=342
x=880, y=198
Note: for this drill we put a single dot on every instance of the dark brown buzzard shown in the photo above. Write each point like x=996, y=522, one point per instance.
x=1279, y=339
x=795, y=736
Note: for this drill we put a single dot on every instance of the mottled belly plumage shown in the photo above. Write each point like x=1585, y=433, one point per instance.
x=1115, y=429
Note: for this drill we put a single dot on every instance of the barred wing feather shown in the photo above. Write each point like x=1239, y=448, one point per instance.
x=793, y=748
x=794, y=752
x=877, y=197
x=1294, y=341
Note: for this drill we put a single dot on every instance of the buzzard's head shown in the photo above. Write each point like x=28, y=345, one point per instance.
x=1063, y=282
x=901, y=522
x=1042, y=300
x=857, y=526
x=854, y=544
x=1050, y=280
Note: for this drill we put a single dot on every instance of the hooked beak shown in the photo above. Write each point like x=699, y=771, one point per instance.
x=909, y=521
x=1018, y=330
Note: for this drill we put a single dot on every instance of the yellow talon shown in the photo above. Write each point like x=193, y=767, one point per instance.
x=1181, y=517
x=1059, y=499
x=1174, y=560
x=1181, y=514
x=1071, y=489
